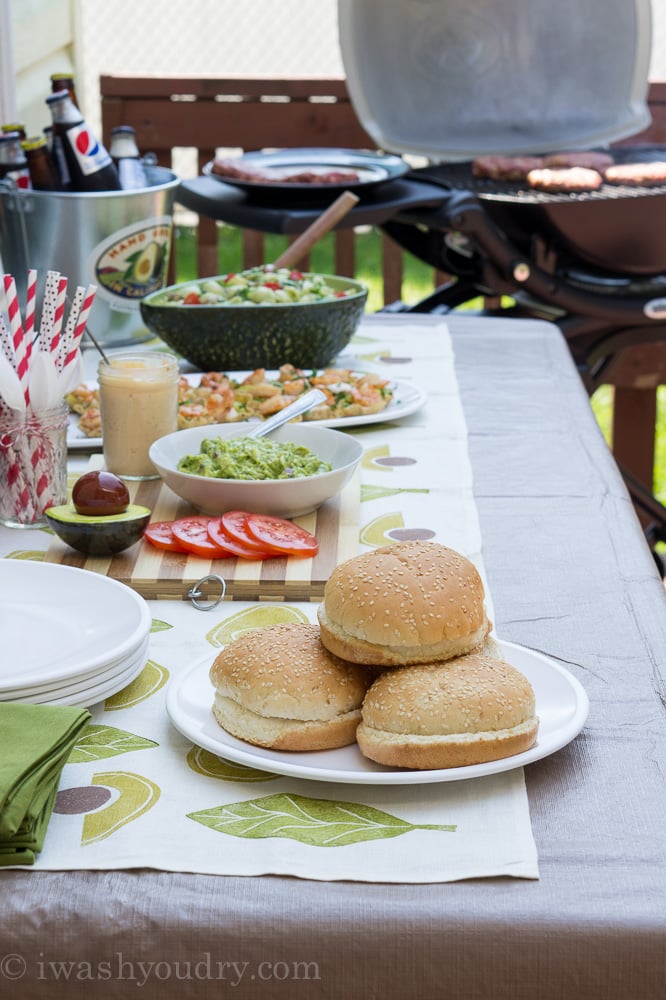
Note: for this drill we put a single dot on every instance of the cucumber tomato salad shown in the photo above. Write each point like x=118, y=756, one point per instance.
x=257, y=286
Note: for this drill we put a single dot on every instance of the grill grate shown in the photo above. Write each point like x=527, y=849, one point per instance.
x=459, y=177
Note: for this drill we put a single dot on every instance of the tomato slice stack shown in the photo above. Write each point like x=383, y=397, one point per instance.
x=235, y=533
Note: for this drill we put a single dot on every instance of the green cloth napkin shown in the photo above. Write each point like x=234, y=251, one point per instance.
x=35, y=742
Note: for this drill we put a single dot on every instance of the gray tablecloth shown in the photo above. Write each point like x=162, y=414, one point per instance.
x=570, y=575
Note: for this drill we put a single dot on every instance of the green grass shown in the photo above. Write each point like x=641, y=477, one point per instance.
x=417, y=283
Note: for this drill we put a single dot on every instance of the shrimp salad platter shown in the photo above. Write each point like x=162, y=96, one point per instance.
x=352, y=398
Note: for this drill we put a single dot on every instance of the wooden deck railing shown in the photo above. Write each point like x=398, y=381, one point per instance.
x=245, y=114
x=202, y=113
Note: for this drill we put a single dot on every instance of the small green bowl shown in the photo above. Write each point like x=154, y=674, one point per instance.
x=244, y=337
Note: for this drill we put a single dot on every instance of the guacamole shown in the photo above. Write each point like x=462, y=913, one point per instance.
x=252, y=458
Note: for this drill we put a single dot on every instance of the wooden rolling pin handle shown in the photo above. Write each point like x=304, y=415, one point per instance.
x=316, y=230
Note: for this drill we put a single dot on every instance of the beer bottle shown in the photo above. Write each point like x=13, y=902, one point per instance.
x=13, y=164
x=125, y=154
x=15, y=127
x=64, y=81
x=43, y=170
x=86, y=161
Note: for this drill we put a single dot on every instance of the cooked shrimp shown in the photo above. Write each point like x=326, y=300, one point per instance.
x=295, y=387
x=214, y=379
x=288, y=372
x=274, y=405
x=90, y=422
x=81, y=398
x=330, y=376
x=258, y=375
x=260, y=390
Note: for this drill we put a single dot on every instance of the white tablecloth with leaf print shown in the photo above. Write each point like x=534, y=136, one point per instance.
x=136, y=793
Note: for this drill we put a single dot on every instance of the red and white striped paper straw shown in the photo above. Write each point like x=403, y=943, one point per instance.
x=82, y=319
x=30, y=304
x=17, y=334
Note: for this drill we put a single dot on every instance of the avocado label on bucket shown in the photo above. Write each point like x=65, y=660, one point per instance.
x=132, y=262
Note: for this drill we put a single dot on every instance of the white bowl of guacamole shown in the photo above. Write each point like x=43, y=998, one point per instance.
x=302, y=466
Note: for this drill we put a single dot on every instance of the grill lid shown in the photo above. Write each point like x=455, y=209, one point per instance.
x=454, y=79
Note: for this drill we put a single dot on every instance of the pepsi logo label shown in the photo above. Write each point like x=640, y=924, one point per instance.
x=90, y=156
x=86, y=144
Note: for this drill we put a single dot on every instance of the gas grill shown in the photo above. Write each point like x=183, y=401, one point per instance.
x=451, y=80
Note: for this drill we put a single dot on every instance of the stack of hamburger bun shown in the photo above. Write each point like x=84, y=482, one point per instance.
x=401, y=662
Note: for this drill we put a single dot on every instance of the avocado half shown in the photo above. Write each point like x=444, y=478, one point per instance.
x=99, y=535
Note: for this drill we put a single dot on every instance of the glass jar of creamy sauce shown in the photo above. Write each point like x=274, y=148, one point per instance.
x=139, y=403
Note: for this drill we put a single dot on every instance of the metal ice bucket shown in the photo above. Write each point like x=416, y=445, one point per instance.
x=116, y=240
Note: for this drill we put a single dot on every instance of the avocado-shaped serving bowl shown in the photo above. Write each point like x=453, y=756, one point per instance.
x=243, y=321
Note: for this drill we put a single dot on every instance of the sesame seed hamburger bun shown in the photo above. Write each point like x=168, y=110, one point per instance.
x=279, y=687
x=412, y=602
x=469, y=710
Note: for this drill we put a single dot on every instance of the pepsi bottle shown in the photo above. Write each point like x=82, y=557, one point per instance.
x=84, y=163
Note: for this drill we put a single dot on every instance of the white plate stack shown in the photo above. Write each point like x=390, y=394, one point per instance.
x=69, y=636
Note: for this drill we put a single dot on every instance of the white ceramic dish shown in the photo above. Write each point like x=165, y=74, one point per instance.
x=104, y=675
x=93, y=690
x=562, y=706
x=407, y=399
x=59, y=622
x=280, y=497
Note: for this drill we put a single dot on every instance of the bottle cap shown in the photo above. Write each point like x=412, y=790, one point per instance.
x=34, y=142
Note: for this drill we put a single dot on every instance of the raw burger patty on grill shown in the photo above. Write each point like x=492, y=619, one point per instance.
x=637, y=174
x=505, y=168
x=584, y=158
x=564, y=180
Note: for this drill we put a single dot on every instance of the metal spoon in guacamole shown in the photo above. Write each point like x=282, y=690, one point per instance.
x=295, y=409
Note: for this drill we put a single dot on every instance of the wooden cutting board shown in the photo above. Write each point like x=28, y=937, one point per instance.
x=156, y=574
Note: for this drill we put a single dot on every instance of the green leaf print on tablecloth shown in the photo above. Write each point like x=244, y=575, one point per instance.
x=317, y=822
x=205, y=762
x=137, y=796
x=32, y=554
x=370, y=492
x=98, y=742
x=159, y=626
x=250, y=618
x=150, y=680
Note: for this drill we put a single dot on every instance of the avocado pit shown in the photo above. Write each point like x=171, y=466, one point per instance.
x=100, y=493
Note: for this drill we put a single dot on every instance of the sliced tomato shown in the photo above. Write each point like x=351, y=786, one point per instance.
x=191, y=299
x=160, y=534
x=281, y=536
x=234, y=522
x=192, y=533
x=219, y=535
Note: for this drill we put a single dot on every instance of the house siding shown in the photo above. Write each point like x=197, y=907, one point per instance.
x=43, y=43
